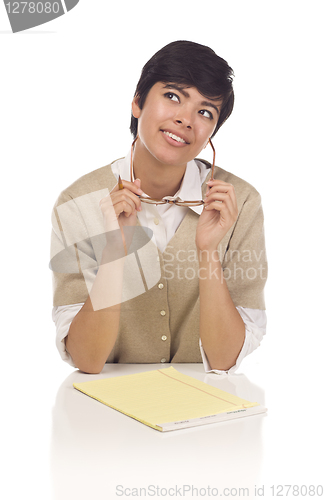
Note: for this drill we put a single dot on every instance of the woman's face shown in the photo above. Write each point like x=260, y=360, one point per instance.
x=175, y=123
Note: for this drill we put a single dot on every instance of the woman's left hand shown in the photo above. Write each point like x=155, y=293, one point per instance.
x=219, y=214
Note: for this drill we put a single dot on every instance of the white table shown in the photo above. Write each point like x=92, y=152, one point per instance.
x=98, y=452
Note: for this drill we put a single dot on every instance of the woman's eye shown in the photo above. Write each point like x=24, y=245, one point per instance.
x=206, y=113
x=172, y=96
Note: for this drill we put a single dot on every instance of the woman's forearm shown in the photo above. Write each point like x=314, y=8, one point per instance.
x=94, y=329
x=222, y=330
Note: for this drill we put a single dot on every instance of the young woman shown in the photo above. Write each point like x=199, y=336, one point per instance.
x=159, y=257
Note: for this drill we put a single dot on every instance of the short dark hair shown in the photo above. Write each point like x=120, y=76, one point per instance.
x=191, y=64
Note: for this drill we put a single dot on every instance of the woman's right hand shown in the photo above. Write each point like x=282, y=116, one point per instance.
x=126, y=201
x=119, y=209
x=120, y=206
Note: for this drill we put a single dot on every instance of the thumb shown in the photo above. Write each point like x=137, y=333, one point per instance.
x=137, y=182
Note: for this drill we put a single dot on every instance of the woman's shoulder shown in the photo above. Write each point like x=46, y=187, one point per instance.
x=96, y=180
x=243, y=189
x=241, y=185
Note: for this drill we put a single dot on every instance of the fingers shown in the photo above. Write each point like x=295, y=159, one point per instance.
x=221, y=196
x=125, y=203
x=124, y=200
x=134, y=187
x=220, y=187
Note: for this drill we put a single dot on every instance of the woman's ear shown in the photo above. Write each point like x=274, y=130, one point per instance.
x=136, y=111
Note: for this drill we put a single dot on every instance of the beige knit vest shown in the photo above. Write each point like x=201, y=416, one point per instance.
x=162, y=323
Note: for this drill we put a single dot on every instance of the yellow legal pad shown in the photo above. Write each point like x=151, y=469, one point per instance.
x=168, y=400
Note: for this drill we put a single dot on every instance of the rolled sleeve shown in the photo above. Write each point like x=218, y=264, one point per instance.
x=62, y=317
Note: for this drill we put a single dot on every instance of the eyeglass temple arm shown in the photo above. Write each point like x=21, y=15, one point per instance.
x=214, y=159
x=131, y=160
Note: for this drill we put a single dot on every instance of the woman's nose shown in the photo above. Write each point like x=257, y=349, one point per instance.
x=180, y=122
x=184, y=117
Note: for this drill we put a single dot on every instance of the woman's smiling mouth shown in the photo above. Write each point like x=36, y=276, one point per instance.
x=175, y=137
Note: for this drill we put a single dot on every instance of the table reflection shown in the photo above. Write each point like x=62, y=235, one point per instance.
x=95, y=448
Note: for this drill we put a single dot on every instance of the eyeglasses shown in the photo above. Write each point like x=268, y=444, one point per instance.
x=169, y=199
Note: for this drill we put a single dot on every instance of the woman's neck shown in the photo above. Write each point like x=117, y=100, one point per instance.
x=157, y=179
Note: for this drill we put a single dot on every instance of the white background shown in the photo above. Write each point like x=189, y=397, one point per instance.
x=66, y=89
